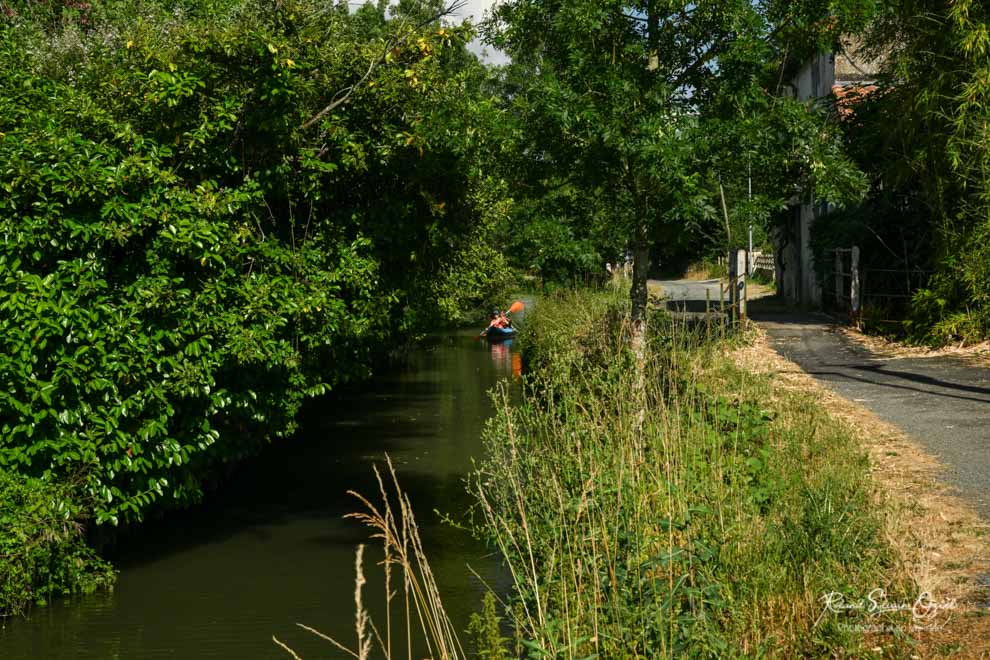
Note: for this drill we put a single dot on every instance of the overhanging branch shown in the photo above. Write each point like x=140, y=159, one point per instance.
x=345, y=94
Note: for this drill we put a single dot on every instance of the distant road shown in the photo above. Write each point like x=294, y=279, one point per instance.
x=686, y=295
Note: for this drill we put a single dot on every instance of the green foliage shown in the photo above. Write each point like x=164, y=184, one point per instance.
x=485, y=627
x=693, y=512
x=191, y=249
x=922, y=137
x=556, y=248
x=564, y=322
x=43, y=554
x=630, y=114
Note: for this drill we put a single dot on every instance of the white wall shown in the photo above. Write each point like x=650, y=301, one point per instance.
x=797, y=280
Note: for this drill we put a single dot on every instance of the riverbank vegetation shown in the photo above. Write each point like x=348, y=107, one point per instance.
x=43, y=553
x=213, y=211
x=695, y=512
x=200, y=234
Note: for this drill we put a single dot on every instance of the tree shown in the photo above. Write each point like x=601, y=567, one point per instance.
x=184, y=262
x=922, y=135
x=651, y=101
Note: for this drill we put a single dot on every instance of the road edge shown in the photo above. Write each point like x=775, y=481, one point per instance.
x=942, y=543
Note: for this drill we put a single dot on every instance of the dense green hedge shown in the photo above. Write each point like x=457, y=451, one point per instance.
x=184, y=262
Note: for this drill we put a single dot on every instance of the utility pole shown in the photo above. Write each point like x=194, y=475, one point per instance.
x=749, y=253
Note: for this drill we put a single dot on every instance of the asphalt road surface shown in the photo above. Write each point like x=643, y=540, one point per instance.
x=943, y=402
x=688, y=295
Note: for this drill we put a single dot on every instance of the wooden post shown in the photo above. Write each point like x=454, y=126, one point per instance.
x=838, y=277
x=733, y=281
x=855, y=290
x=741, y=259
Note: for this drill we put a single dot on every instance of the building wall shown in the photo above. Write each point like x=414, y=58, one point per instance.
x=787, y=255
x=848, y=75
x=796, y=268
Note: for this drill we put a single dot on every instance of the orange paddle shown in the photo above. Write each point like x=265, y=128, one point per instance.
x=517, y=306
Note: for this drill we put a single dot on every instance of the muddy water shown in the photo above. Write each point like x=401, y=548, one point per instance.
x=271, y=547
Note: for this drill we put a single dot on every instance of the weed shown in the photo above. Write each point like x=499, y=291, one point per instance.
x=43, y=552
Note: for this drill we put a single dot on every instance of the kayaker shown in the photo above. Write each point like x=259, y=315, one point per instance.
x=499, y=320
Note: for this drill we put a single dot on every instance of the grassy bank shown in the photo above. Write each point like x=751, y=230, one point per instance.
x=697, y=514
x=43, y=552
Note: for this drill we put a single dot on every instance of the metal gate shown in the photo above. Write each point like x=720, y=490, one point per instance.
x=843, y=286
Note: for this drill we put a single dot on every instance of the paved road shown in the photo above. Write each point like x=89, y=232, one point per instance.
x=687, y=295
x=943, y=402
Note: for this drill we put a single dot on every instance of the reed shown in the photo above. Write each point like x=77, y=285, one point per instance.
x=421, y=614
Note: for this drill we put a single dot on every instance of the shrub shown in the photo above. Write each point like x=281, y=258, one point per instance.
x=43, y=553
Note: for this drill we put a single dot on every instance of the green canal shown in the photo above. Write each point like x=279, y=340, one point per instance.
x=270, y=548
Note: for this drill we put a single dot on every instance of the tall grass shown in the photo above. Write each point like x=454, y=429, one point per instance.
x=421, y=614
x=696, y=514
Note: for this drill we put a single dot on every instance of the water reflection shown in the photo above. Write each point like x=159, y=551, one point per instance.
x=505, y=359
x=271, y=547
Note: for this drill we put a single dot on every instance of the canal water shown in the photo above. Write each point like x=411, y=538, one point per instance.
x=271, y=547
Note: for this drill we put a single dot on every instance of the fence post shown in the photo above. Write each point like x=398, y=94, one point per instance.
x=838, y=278
x=855, y=290
x=737, y=283
x=742, y=258
x=733, y=265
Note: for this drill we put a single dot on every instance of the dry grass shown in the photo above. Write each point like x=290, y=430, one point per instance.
x=422, y=611
x=699, y=271
x=941, y=541
x=976, y=354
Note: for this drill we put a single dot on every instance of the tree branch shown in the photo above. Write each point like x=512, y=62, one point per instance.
x=715, y=49
x=345, y=94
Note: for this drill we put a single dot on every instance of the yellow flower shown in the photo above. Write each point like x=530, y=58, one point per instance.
x=289, y=63
x=130, y=43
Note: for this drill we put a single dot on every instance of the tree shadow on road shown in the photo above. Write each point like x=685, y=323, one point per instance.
x=863, y=365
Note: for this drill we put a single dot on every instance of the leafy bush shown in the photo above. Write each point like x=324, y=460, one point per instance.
x=43, y=553
x=148, y=330
x=191, y=250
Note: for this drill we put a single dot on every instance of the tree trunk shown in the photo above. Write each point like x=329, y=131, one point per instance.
x=637, y=336
x=638, y=293
x=641, y=245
